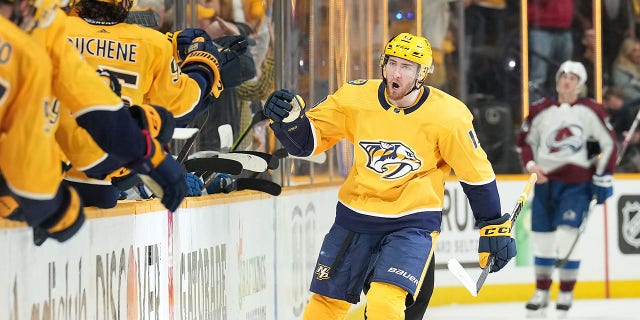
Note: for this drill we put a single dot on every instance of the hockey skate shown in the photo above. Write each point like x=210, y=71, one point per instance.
x=565, y=298
x=537, y=305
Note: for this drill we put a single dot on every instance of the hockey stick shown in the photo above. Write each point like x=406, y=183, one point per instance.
x=514, y=215
x=249, y=161
x=592, y=204
x=458, y=271
x=183, y=133
x=318, y=158
x=266, y=156
x=266, y=186
x=262, y=185
x=594, y=201
x=627, y=138
x=257, y=117
x=213, y=164
x=184, y=152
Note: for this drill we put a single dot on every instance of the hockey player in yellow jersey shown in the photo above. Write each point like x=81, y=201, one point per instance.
x=30, y=164
x=407, y=138
x=143, y=61
x=85, y=98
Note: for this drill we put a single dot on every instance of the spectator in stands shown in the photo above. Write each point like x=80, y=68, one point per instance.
x=484, y=30
x=587, y=58
x=225, y=110
x=549, y=24
x=626, y=69
x=621, y=115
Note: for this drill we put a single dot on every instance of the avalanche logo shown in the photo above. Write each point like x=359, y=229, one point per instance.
x=565, y=138
x=393, y=158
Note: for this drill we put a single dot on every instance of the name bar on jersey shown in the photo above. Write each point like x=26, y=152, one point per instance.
x=106, y=48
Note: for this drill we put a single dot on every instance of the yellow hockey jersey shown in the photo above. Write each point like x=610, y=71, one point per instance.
x=402, y=157
x=141, y=58
x=29, y=160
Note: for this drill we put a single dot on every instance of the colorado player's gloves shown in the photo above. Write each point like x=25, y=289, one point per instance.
x=284, y=106
x=495, y=240
x=63, y=223
x=602, y=187
x=194, y=183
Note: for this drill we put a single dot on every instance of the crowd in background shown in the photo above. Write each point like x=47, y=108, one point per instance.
x=482, y=68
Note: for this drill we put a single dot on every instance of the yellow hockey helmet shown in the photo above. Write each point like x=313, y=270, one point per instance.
x=409, y=47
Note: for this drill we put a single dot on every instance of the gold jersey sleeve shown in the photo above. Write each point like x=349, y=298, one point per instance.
x=74, y=81
x=29, y=159
x=402, y=157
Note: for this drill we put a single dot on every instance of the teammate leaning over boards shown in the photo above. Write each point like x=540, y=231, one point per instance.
x=553, y=143
x=407, y=138
x=143, y=60
x=30, y=163
x=84, y=96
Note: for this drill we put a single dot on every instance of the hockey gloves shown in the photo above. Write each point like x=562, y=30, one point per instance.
x=63, y=223
x=194, y=183
x=158, y=120
x=602, y=187
x=196, y=53
x=496, y=241
x=222, y=182
x=284, y=106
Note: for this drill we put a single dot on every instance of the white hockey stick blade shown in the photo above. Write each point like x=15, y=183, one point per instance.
x=458, y=271
x=183, y=133
x=318, y=158
x=225, y=133
x=249, y=162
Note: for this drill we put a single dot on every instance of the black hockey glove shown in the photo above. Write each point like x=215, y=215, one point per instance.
x=284, y=106
x=158, y=120
x=195, y=52
x=496, y=240
x=62, y=224
x=163, y=175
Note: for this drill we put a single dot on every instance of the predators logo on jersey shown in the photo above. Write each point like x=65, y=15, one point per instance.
x=393, y=157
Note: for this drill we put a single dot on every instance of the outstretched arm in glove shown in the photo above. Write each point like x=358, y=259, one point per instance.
x=289, y=123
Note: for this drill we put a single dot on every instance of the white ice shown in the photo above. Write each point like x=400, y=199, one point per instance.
x=596, y=309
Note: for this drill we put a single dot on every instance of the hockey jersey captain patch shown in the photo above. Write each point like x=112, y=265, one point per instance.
x=390, y=156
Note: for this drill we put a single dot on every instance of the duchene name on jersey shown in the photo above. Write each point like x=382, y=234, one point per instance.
x=106, y=48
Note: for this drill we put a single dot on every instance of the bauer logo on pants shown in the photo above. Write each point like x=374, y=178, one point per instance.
x=629, y=224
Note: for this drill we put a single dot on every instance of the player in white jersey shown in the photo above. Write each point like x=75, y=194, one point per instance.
x=553, y=144
x=407, y=137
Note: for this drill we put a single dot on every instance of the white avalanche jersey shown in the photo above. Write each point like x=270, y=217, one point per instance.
x=555, y=136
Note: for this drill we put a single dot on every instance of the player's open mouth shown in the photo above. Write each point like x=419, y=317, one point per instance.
x=395, y=85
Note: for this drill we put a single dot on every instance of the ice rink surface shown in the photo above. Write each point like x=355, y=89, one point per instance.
x=606, y=309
